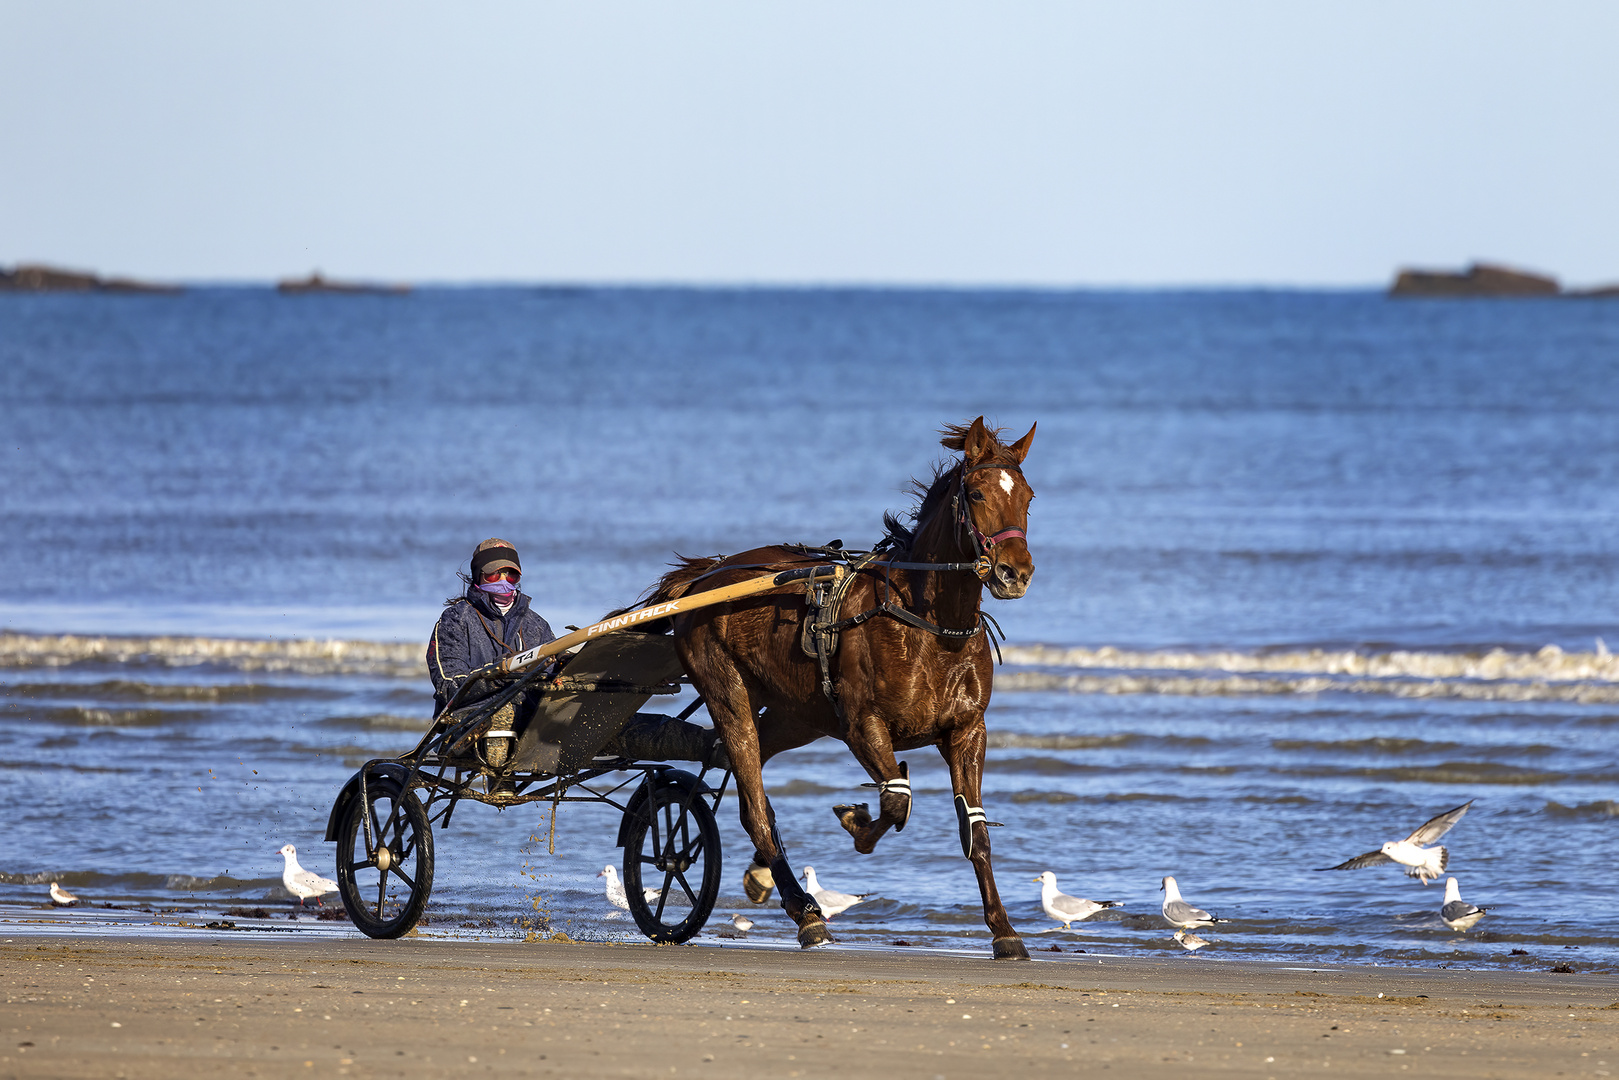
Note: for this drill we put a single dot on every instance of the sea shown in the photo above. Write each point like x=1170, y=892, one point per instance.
x=1312, y=567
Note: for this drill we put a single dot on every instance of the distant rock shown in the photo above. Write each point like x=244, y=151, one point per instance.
x=315, y=283
x=1478, y=280
x=30, y=277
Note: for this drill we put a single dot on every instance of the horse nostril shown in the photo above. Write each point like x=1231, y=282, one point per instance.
x=1011, y=575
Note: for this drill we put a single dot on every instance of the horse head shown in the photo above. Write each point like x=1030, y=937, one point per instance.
x=992, y=505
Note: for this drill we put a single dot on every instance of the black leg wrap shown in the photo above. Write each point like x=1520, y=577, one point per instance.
x=775, y=836
x=791, y=890
x=966, y=818
x=902, y=786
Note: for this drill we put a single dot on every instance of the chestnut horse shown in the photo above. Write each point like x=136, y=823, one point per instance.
x=916, y=671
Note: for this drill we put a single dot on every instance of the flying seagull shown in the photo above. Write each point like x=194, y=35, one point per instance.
x=300, y=882
x=1179, y=913
x=1420, y=861
x=831, y=902
x=1067, y=909
x=1458, y=913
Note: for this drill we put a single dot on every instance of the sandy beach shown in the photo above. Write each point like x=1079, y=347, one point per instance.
x=293, y=1005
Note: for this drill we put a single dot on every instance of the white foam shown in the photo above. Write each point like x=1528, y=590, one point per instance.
x=1548, y=674
x=1551, y=663
x=299, y=655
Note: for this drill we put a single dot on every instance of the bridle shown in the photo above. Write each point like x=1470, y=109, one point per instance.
x=983, y=546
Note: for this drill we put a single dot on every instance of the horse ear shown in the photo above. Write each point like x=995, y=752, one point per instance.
x=977, y=442
x=1020, y=449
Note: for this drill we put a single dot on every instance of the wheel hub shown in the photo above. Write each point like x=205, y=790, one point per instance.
x=385, y=857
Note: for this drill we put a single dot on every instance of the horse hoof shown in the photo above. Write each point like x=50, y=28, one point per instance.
x=1010, y=948
x=813, y=933
x=758, y=883
x=853, y=816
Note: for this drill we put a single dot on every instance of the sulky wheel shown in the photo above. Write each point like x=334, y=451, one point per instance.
x=384, y=881
x=671, y=844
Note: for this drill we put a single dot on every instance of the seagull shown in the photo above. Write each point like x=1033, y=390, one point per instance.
x=300, y=882
x=1189, y=942
x=1458, y=913
x=61, y=897
x=830, y=902
x=1067, y=909
x=620, y=899
x=1421, y=862
x=1179, y=913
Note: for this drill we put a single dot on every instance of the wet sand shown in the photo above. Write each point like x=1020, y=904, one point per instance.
x=294, y=1005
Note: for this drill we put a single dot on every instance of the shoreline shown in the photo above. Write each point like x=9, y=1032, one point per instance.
x=201, y=1003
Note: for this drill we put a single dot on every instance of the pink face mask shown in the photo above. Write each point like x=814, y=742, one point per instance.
x=502, y=588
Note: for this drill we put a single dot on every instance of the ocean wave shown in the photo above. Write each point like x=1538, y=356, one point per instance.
x=130, y=881
x=1601, y=808
x=1456, y=772
x=89, y=716
x=132, y=690
x=1252, y=686
x=1011, y=740
x=1549, y=664
x=1034, y=797
x=805, y=787
x=1366, y=746
x=379, y=722
x=296, y=656
x=1039, y=764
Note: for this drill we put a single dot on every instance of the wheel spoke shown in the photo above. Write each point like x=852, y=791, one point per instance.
x=396, y=820
x=691, y=897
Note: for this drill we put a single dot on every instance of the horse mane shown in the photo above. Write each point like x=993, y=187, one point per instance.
x=932, y=492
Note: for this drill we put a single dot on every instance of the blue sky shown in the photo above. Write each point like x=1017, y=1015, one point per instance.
x=759, y=142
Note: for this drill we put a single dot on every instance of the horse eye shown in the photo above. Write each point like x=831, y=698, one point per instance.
x=975, y=495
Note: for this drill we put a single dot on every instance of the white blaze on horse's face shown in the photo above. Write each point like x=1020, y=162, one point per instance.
x=1006, y=481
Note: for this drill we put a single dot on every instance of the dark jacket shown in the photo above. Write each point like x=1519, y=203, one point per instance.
x=472, y=632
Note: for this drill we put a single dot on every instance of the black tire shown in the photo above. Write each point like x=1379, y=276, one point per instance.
x=385, y=900
x=671, y=843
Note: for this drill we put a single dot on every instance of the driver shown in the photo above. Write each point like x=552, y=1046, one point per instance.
x=490, y=622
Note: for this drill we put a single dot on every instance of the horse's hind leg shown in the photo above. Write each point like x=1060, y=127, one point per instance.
x=964, y=753
x=741, y=735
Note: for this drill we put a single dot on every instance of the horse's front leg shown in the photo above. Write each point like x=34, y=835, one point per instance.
x=869, y=742
x=964, y=752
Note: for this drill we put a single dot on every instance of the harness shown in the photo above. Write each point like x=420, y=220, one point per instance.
x=822, y=624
